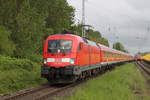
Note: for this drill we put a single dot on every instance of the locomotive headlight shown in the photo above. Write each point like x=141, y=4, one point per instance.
x=65, y=60
x=44, y=61
x=72, y=61
x=50, y=59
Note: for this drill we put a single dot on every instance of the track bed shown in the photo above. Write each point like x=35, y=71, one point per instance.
x=145, y=69
x=45, y=92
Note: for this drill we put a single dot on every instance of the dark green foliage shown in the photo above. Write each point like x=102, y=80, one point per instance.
x=77, y=29
x=8, y=63
x=96, y=36
x=60, y=15
x=119, y=46
x=31, y=21
x=47, y=32
x=16, y=74
x=7, y=47
x=93, y=34
x=29, y=34
x=104, y=41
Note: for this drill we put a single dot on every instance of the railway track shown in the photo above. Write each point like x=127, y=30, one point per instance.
x=40, y=93
x=145, y=67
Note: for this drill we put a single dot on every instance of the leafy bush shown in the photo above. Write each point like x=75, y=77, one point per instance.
x=35, y=57
x=6, y=45
x=8, y=63
x=16, y=74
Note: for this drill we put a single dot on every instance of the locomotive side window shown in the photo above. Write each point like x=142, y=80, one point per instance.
x=79, y=48
x=59, y=46
x=85, y=40
x=92, y=43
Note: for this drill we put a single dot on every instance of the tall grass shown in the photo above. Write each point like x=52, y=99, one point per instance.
x=124, y=83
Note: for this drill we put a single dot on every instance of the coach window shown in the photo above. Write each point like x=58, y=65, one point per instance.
x=107, y=54
x=103, y=53
x=113, y=55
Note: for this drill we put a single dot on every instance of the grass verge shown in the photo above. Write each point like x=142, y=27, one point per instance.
x=17, y=74
x=124, y=83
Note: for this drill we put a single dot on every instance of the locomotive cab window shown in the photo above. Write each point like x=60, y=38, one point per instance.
x=59, y=46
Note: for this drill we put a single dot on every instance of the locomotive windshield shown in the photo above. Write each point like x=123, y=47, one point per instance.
x=59, y=46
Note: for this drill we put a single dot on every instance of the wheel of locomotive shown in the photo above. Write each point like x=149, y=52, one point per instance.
x=90, y=74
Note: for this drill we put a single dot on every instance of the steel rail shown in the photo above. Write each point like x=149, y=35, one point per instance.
x=144, y=67
x=23, y=93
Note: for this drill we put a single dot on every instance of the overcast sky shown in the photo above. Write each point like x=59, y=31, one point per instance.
x=129, y=20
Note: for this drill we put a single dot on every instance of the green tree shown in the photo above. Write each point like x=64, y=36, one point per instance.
x=119, y=46
x=97, y=37
x=31, y=21
x=60, y=15
x=29, y=33
x=77, y=29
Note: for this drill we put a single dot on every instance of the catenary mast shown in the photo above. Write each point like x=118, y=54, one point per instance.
x=83, y=18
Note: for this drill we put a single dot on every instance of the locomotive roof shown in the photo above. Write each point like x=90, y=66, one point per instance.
x=68, y=35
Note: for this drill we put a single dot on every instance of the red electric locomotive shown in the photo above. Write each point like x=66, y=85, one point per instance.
x=69, y=57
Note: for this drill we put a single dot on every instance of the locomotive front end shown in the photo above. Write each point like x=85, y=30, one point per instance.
x=59, y=59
